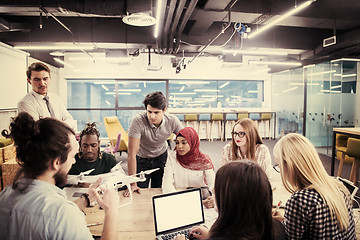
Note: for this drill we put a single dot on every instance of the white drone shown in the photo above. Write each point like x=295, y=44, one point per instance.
x=115, y=179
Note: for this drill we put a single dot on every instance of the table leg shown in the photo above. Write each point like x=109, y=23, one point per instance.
x=333, y=155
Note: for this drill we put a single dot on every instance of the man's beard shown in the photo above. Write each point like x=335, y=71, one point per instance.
x=60, y=178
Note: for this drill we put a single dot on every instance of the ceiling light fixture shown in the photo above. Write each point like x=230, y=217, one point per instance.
x=104, y=87
x=320, y=73
x=289, y=89
x=212, y=96
x=280, y=18
x=139, y=20
x=184, y=93
x=53, y=47
x=129, y=90
x=206, y=90
x=121, y=93
x=349, y=75
x=225, y=84
x=295, y=64
x=337, y=86
x=257, y=52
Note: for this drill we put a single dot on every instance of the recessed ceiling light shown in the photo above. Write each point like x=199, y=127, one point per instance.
x=139, y=20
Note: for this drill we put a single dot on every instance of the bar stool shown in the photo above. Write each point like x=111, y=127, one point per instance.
x=353, y=150
x=230, y=119
x=217, y=118
x=242, y=115
x=341, y=146
x=181, y=118
x=265, y=120
x=204, y=118
x=191, y=119
x=255, y=117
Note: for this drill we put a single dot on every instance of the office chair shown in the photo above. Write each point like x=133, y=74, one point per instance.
x=113, y=127
x=113, y=149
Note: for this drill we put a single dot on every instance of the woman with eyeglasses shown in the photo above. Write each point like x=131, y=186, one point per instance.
x=247, y=144
x=320, y=207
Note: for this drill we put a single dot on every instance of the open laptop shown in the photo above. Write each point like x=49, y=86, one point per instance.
x=175, y=213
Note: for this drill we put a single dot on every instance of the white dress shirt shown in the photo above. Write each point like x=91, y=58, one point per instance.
x=34, y=104
x=41, y=212
x=176, y=176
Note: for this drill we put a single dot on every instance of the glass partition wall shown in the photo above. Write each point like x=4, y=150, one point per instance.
x=94, y=99
x=326, y=101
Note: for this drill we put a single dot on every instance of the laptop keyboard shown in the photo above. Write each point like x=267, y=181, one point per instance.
x=174, y=234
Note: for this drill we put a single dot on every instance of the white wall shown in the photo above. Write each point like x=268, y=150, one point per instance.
x=12, y=75
x=13, y=83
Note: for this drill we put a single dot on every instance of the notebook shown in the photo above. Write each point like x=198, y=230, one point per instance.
x=175, y=213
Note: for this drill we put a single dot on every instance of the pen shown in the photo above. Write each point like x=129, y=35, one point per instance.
x=277, y=207
x=94, y=224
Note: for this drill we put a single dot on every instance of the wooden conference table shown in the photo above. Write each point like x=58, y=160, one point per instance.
x=136, y=219
x=351, y=132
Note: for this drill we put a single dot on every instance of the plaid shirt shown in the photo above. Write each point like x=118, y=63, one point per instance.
x=307, y=217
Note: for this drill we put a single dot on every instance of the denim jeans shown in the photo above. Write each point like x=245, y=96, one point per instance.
x=150, y=163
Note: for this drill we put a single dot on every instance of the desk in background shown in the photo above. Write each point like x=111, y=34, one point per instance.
x=351, y=132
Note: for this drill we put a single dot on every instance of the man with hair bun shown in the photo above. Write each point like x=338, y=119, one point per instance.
x=39, y=103
x=34, y=207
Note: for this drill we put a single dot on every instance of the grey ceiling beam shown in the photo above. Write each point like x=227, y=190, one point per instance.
x=179, y=10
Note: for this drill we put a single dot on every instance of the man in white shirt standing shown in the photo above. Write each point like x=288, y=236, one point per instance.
x=39, y=103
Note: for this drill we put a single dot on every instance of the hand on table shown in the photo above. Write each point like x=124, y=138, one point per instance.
x=209, y=202
x=134, y=188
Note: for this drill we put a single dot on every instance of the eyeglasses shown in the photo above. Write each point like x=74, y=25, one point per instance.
x=277, y=168
x=239, y=134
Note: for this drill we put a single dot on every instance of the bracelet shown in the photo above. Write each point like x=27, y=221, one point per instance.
x=86, y=196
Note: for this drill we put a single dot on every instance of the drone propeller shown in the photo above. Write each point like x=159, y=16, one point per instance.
x=82, y=174
x=147, y=171
x=88, y=171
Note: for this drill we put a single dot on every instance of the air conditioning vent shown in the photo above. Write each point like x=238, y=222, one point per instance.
x=329, y=41
x=139, y=20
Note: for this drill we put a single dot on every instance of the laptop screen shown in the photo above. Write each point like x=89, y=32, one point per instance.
x=177, y=210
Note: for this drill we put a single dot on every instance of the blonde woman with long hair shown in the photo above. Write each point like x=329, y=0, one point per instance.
x=247, y=144
x=320, y=206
